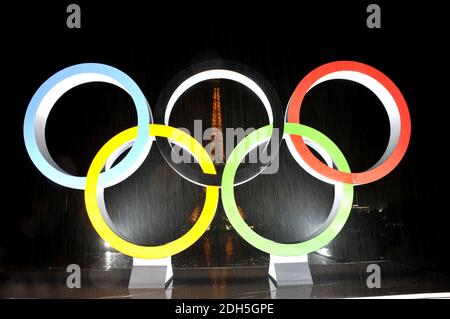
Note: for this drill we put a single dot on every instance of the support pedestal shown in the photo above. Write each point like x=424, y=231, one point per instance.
x=290, y=271
x=151, y=273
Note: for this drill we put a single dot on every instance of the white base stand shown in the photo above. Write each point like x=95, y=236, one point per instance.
x=289, y=292
x=151, y=273
x=290, y=271
x=154, y=293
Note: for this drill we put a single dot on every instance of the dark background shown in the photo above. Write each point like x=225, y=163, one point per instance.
x=404, y=217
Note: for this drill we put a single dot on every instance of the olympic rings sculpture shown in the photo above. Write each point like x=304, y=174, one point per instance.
x=139, y=140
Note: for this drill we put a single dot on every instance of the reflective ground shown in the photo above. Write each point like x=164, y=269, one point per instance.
x=335, y=280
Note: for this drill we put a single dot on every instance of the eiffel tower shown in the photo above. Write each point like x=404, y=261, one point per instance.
x=223, y=233
x=217, y=153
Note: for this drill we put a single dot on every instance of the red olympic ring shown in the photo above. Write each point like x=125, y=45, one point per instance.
x=379, y=170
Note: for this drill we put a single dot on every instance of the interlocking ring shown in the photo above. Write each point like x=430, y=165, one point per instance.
x=343, y=195
x=386, y=91
x=220, y=69
x=95, y=204
x=45, y=98
x=140, y=139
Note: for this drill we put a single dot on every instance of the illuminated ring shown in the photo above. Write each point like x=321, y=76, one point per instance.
x=96, y=209
x=219, y=69
x=393, y=101
x=45, y=98
x=335, y=221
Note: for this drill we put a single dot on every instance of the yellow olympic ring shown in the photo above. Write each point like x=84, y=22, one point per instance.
x=173, y=247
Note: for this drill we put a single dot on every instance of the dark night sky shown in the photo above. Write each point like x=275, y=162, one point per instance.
x=281, y=44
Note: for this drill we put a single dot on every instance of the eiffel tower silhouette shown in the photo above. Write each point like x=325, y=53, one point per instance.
x=224, y=235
